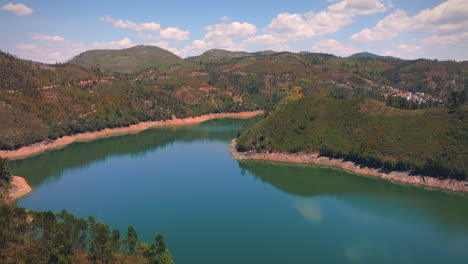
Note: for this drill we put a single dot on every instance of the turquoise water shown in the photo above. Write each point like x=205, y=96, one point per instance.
x=213, y=209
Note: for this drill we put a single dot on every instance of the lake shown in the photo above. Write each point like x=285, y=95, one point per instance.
x=183, y=182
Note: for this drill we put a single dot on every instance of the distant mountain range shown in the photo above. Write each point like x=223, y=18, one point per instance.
x=140, y=58
x=368, y=55
x=108, y=88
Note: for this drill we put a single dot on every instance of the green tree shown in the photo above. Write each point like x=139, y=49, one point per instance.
x=132, y=240
x=5, y=172
x=160, y=244
x=115, y=240
x=101, y=244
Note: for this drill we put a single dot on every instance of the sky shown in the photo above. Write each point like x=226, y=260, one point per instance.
x=57, y=30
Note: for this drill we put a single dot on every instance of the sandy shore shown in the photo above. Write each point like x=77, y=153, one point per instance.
x=313, y=158
x=66, y=140
x=19, y=188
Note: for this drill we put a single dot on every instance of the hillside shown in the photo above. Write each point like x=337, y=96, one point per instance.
x=432, y=142
x=367, y=55
x=129, y=60
x=40, y=101
x=217, y=55
x=46, y=102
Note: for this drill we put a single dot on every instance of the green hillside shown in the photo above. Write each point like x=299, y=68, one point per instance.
x=129, y=60
x=433, y=142
x=368, y=55
x=218, y=55
x=39, y=101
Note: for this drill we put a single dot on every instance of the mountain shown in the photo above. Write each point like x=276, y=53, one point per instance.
x=218, y=55
x=40, y=101
x=368, y=55
x=264, y=52
x=432, y=142
x=129, y=60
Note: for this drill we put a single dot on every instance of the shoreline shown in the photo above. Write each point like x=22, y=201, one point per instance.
x=19, y=188
x=313, y=158
x=45, y=145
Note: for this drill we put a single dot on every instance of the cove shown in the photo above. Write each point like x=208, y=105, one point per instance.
x=182, y=182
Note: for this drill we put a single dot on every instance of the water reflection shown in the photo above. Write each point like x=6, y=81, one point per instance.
x=362, y=193
x=47, y=166
x=310, y=209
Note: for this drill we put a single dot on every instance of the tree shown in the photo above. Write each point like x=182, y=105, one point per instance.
x=160, y=244
x=132, y=239
x=158, y=253
x=115, y=240
x=457, y=98
x=5, y=172
x=101, y=244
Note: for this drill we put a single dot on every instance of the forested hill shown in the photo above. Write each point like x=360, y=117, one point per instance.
x=39, y=101
x=129, y=60
x=431, y=142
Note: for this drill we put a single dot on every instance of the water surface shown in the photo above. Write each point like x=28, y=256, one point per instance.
x=213, y=209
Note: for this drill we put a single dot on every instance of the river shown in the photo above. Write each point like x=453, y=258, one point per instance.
x=182, y=182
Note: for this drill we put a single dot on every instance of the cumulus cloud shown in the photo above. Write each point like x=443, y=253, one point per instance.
x=361, y=7
x=331, y=20
x=169, y=34
x=126, y=24
x=118, y=44
x=48, y=38
x=409, y=48
x=334, y=47
x=449, y=16
x=18, y=9
x=230, y=30
x=174, y=34
x=224, y=18
x=445, y=39
x=265, y=39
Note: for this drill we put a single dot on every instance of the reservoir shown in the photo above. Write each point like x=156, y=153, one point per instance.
x=183, y=182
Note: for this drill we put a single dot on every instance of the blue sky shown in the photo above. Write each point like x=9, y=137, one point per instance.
x=57, y=30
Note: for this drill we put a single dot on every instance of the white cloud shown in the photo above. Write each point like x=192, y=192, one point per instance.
x=332, y=46
x=385, y=29
x=169, y=34
x=26, y=46
x=264, y=39
x=360, y=7
x=175, y=34
x=48, y=38
x=126, y=24
x=331, y=20
x=230, y=30
x=451, y=15
x=118, y=44
x=224, y=18
x=409, y=48
x=18, y=9
x=446, y=39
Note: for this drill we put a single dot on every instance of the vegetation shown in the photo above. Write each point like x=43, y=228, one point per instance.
x=40, y=102
x=5, y=173
x=45, y=237
x=218, y=56
x=129, y=60
x=431, y=142
x=368, y=55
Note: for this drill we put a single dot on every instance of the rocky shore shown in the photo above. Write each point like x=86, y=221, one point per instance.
x=313, y=158
x=19, y=188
